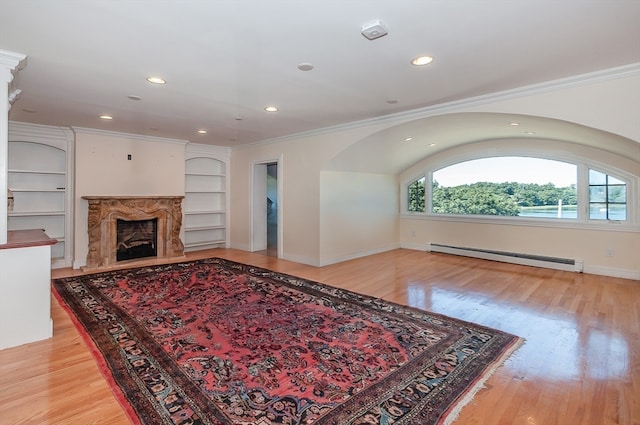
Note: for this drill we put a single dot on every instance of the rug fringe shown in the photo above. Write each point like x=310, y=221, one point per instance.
x=453, y=414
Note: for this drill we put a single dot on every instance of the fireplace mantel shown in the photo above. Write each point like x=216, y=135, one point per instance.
x=104, y=211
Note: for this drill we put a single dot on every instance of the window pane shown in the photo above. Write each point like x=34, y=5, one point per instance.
x=617, y=194
x=596, y=177
x=507, y=186
x=607, y=197
x=617, y=212
x=598, y=211
x=613, y=180
x=597, y=193
x=415, y=196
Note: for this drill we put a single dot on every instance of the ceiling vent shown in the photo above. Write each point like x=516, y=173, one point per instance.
x=374, y=30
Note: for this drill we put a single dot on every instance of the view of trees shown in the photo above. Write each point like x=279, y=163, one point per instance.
x=484, y=198
x=416, y=196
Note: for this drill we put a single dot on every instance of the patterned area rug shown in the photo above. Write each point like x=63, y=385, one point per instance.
x=219, y=342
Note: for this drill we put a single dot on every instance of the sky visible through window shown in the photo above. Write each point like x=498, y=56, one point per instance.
x=508, y=169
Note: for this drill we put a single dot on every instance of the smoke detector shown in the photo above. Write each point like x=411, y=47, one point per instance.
x=373, y=30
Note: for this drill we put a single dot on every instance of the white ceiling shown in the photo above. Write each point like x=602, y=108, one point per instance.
x=225, y=60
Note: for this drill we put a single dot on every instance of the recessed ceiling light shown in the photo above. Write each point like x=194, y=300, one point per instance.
x=134, y=97
x=529, y=132
x=305, y=66
x=202, y=131
x=392, y=101
x=431, y=145
x=156, y=80
x=422, y=60
x=30, y=110
x=238, y=118
x=408, y=139
x=514, y=123
x=271, y=109
x=106, y=117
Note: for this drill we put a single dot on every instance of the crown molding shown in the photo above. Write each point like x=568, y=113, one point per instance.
x=94, y=131
x=12, y=60
x=202, y=149
x=625, y=71
x=21, y=131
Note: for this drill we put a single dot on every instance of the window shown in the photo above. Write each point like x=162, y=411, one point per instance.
x=416, y=196
x=525, y=188
x=507, y=186
x=607, y=197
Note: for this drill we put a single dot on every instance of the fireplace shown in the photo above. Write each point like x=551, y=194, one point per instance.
x=136, y=239
x=129, y=228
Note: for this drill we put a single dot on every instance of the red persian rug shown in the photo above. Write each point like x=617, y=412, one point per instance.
x=218, y=342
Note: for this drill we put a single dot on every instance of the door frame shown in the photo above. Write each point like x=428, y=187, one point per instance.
x=258, y=215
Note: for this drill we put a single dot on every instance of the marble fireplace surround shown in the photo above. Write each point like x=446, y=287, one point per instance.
x=104, y=212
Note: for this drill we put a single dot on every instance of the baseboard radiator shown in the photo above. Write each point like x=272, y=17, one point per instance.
x=567, y=264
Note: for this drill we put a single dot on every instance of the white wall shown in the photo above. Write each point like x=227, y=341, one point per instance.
x=156, y=167
x=587, y=245
x=303, y=159
x=358, y=215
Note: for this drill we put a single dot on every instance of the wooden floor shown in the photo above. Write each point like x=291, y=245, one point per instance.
x=580, y=363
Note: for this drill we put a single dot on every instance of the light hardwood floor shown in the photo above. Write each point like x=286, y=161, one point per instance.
x=580, y=364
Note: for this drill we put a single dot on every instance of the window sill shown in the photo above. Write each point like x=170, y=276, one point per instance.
x=606, y=226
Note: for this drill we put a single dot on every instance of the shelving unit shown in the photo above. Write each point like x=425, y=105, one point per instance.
x=206, y=198
x=39, y=176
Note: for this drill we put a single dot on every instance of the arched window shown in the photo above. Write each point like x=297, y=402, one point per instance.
x=519, y=187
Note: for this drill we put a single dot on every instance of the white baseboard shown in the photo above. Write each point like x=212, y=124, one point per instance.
x=579, y=265
x=360, y=254
x=612, y=272
x=413, y=245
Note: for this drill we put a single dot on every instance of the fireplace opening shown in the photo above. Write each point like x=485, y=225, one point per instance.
x=136, y=239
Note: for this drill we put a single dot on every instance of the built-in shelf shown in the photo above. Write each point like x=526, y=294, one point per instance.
x=16, y=171
x=204, y=191
x=208, y=244
x=206, y=198
x=40, y=176
x=14, y=190
x=195, y=229
x=35, y=213
x=205, y=212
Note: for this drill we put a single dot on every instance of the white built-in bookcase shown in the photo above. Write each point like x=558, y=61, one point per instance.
x=205, y=207
x=40, y=175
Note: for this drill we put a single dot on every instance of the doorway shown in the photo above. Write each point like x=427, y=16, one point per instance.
x=266, y=226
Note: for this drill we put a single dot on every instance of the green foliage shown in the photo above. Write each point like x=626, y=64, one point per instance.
x=617, y=193
x=416, y=196
x=498, y=198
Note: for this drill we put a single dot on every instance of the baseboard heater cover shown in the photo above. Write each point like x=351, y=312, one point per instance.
x=557, y=263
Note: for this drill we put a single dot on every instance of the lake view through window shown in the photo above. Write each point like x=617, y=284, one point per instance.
x=507, y=186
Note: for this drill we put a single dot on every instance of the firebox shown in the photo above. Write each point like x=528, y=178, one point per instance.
x=136, y=239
